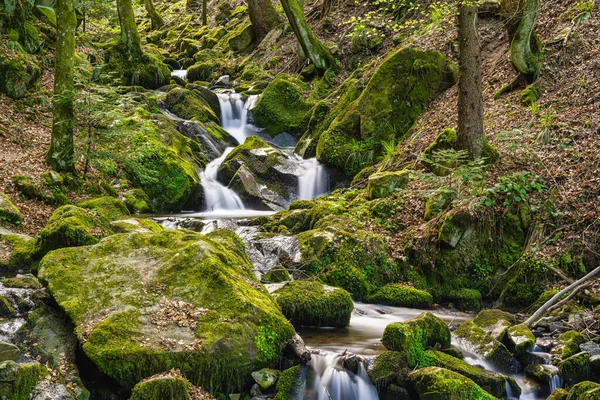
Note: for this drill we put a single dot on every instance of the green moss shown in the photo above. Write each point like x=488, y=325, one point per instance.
x=347, y=277
x=559, y=394
x=435, y=383
x=137, y=201
x=544, y=297
x=19, y=380
x=287, y=384
x=383, y=184
x=6, y=309
x=18, y=74
x=567, y=345
x=235, y=328
x=306, y=218
x=313, y=304
x=148, y=71
x=22, y=282
x=437, y=202
x=282, y=108
x=135, y=225
x=495, y=322
x=575, y=368
x=519, y=339
x=465, y=299
x=9, y=213
x=401, y=296
x=241, y=38
x=186, y=104
x=416, y=335
x=530, y=95
x=17, y=252
x=276, y=274
x=389, y=368
x=584, y=391
x=108, y=208
x=161, y=388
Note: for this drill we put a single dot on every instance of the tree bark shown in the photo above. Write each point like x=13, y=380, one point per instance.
x=470, y=135
x=519, y=18
x=130, y=38
x=318, y=54
x=204, y=12
x=60, y=156
x=263, y=16
x=155, y=18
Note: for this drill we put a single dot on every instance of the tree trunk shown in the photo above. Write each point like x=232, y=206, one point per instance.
x=155, y=18
x=130, y=39
x=263, y=16
x=312, y=47
x=470, y=98
x=519, y=18
x=204, y=13
x=60, y=156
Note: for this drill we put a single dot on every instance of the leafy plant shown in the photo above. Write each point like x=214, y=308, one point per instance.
x=513, y=189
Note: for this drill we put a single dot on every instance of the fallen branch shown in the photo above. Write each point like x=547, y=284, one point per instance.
x=544, y=308
x=570, y=296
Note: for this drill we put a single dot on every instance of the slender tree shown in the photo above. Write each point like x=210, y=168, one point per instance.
x=130, y=38
x=204, y=13
x=318, y=54
x=263, y=16
x=470, y=135
x=60, y=156
x=155, y=18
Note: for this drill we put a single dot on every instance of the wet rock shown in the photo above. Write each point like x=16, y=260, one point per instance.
x=416, y=335
x=541, y=373
x=188, y=105
x=476, y=340
x=585, y=391
x=17, y=381
x=383, y=184
x=351, y=362
x=575, y=368
x=595, y=367
x=519, y=339
x=567, y=344
x=16, y=251
x=592, y=348
x=266, y=378
x=495, y=322
x=9, y=352
x=433, y=383
x=388, y=369
x=222, y=82
x=291, y=383
x=559, y=394
x=296, y=350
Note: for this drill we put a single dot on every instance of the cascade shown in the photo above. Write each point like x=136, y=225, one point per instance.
x=313, y=181
x=180, y=73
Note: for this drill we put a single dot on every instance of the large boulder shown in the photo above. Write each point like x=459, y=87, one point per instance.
x=495, y=322
x=476, y=340
x=9, y=213
x=314, y=304
x=143, y=303
x=575, y=368
x=16, y=251
x=434, y=383
x=401, y=296
x=388, y=369
x=416, y=335
x=519, y=339
x=187, y=104
x=566, y=345
x=395, y=97
x=383, y=184
x=585, y=391
x=17, y=75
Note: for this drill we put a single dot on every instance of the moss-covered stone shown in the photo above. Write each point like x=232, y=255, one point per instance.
x=575, y=369
x=314, y=304
x=567, y=345
x=437, y=202
x=416, y=335
x=388, y=368
x=16, y=251
x=135, y=225
x=9, y=213
x=266, y=378
x=495, y=322
x=17, y=381
x=492, y=382
x=433, y=383
x=585, y=391
x=383, y=184
x=401, y=296
x=147, y=71
x=289, y=384
x=137, y=201
x=240, y=40
x=558, y=394
x=282, y=108
x=519, y=339
x=228, y=325
x=481, y=343
x=22, y=282
x=306, y=218
x=108, y=208
x=17, y=74
x=188, y=105
x=465, y=299
x=277, y=274
x=70, y=226
x=6, y=308
x=444, y=141
x=161, y=387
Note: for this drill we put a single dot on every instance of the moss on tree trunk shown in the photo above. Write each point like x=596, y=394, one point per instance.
x=155, y=18
x=130, y=38
x=60, y=156
x=519, y=17
x=263, y=16
x=320, y=56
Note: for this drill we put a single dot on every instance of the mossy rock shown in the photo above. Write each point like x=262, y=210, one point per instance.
x=489, y=349
x=495, y=322
x=437, y=202
x=137, y=201
x=306, y=218
x=401, y=296
x=6, y=308
x=266, y=378
x=575, y=368
x=241, y=39
x=540, y=373
x=148, y=71
x=161, y=388
x=465, y=299
x=290, y=384
x=395, y=97
x=416, y=335
x=492, y=382
x=276, y=274
x=314, y=304
x=434, y=383
x=203, y=72
x=519, y=339
x=16, y=251
x=388, y=368
x=584, y=391
x=108, y=208
x=231, y=326
x=22, y=282
x=282, y=108
x=567, y=345
x=383, y=184
x=70, y=226
x=9, y=213
x=188, y=105
x=135, y=225
x=17, y=381
x=17, y=75
x=444, y=141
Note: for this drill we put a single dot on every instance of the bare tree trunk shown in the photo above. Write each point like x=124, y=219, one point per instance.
x=155, y=18
x=130, y=38
x=204, y=13
x=575, y=285
x=60, y=156
x=263, y=16
x=318, y=54
x=470, y=135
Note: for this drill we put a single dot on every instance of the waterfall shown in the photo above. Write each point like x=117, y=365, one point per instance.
x=234, y=114
x=313, y=181
x=180, y=73
x=331, y=381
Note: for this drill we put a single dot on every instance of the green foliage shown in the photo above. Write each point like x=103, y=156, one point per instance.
x=513, y=189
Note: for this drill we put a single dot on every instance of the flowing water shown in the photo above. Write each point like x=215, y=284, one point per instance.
x=313, y=181
x=180, y=73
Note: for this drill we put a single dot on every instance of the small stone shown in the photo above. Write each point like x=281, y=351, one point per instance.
x=593, y=349
x=9, y=352
x=266, y=378
x=223, y=81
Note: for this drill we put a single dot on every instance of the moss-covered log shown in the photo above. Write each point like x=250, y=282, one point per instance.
x=60, y=156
